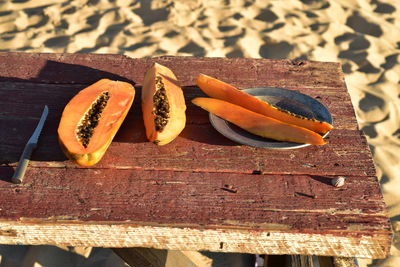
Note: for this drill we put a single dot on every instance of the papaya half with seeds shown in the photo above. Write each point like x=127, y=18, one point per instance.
x=91, y=119
x=163, y=105
x=258, y=124
x=221, y=90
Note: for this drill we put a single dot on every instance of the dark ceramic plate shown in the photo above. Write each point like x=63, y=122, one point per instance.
x=290, y=100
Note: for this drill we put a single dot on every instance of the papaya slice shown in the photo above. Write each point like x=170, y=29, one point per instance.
x=163, y=105
x=91, y=119
x=258, y=124
x=221, y=90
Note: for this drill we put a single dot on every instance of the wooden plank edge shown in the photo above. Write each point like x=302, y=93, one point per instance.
x=272, y=242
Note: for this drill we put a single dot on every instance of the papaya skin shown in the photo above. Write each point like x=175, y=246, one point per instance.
x=258, y=124
x=86, y=160
x=223, y=91
x=111, y=118
x=177, y=108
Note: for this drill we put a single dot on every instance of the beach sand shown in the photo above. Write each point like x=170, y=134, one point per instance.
x=364, y=35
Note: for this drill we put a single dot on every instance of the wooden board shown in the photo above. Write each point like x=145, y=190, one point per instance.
x=202, y=191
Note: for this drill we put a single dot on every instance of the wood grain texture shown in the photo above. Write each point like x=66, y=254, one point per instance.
x=198, y=192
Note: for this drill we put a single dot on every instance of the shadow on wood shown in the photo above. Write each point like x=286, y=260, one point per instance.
x=53, y=85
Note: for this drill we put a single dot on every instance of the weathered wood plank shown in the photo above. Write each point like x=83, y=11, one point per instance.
x=202, y=191
x=190, y=238
x=247, y=72
x=166, y=197
x=199, y=140
x=181, y=211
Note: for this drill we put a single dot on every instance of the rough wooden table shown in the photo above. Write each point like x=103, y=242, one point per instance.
x=200, y=192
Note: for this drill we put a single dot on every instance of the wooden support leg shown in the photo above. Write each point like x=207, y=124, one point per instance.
x=336, y=262
x=288, y=261
x=307, y=261
x=301, y=261
x=344, y=262
x=143, y=257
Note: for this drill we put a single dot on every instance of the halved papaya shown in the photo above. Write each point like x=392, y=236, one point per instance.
x=221, y=90
x=258, y=124
x=91, y=119
x=163, y=105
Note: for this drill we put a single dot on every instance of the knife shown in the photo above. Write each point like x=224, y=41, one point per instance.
x=29, y=147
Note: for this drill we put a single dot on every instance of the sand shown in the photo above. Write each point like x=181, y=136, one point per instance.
x=363, y=35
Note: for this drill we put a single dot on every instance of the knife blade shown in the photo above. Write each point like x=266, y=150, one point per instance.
x=29, y=147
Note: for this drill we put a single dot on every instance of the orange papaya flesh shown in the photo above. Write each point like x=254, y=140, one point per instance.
x=221, y=90
x=163, y=105
x=91, y=119
x=258, y=124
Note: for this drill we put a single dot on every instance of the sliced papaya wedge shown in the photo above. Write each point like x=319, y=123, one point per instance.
x=163, y=105
x=221, y=90
x=91, y=119
x=258, y=124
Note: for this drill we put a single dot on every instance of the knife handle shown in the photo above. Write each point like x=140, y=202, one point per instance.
x=23, y=164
